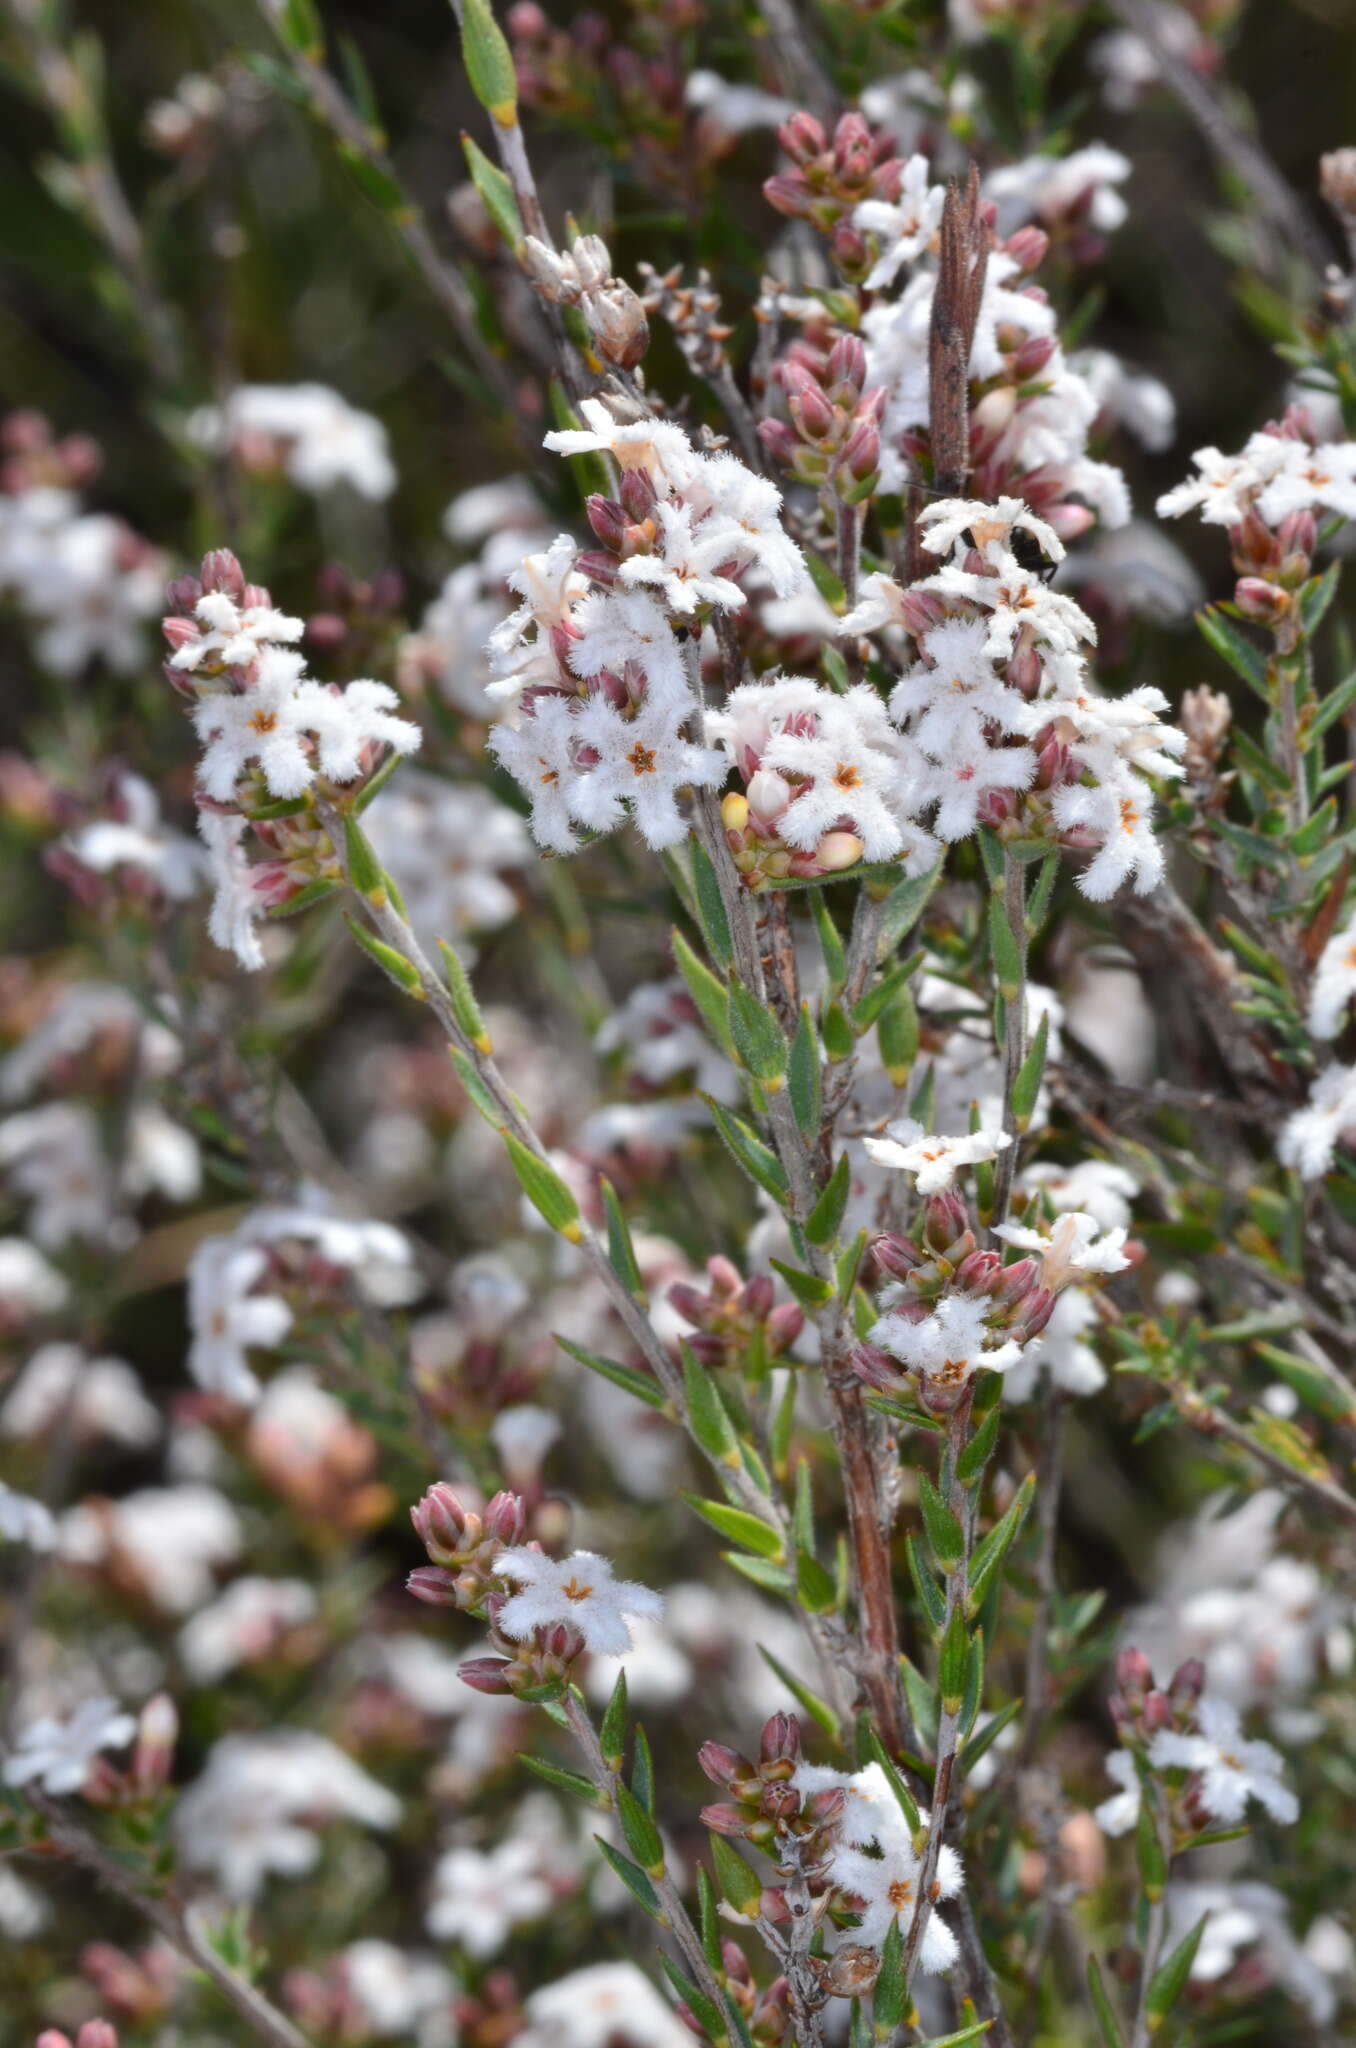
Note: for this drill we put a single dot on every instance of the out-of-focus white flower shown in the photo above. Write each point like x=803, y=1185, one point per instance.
x=1249, y=1921
x=1047, y=188
x=316, y=436
x=25, y=1520
x=1228, y=1769
x=257, y=1805
x=522, y=1434
x=733, y=109
x=30, y=1285
x=243, y=1626
x=379, y=1256
x=579, y=1590
x=24, y=1911
x=1117, y=1815
x=54, y=1159
x=95, y=1398
x=480, y=1895
x=1140, y=403
x=227, y=1319
x=138, y=841
x=933, y=1161
x=399, y=1994
x=57, y=1754
x=1225, y=487
x=450, y=848
x=168, y=1541
x=1136, y=570
x=1097, y=1186
x=599, y=2007
x=83, y=1013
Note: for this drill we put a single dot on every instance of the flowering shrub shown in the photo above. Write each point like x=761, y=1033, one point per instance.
x=683, y=1372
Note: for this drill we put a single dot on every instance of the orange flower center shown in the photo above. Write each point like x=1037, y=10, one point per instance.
x=642, y=759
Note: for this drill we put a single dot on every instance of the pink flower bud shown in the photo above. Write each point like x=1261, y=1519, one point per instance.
x=1028, y=247
x=689, y=1301
x=724, y=1275
x=784, y=1325
x=757, y=1296
x=1262, y=601
x=723, y=1819
x=1297, y=533
x=802, y=137
x=978, y=1272
x=505, y=1519
x=1033, y=355
x=897, y=1256
x=846, y=365
x=443, y=1525
x=486, y=1674
x=1187, y=1684
x=1036, y=1310
x=1157, y=1711
x=780, y=1740
x=97, y=2034
x=435, y=1588
x=1018, y=1279
x=725, y=1766
x=221, y=571
x=1134, y=1675
x=875, y=1366
x=778, y=439
x=861, y=452
x=52, y=2037
x=945, y=1219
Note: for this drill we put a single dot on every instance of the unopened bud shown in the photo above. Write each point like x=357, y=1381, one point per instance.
x=838, y=850
x=443, y=1525
x=434, y=1587
x=486, y=1674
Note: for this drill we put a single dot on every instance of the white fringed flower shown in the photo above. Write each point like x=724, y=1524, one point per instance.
x=579, y=1591
x=56, y=1754
x=934, y=1161
x=1230, y=1770
x=1310, y=1136
x=1334, y=983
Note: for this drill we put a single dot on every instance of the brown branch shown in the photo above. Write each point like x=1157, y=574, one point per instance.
x=962, y=263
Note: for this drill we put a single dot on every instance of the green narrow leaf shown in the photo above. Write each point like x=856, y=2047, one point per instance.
x=1027, y=1085
x=495, y=191
x=972, y=2033
x=1004, y=951
x=706, y=2014
x=706, y=1412
x=364, y=869
x=642, y=1836
x=711, y=907
x=1112, y=2036
x=930, y=1594
x=612, y=1728
x=756, y=1035
x=890, y=2000
x=489, y=62
x=1168, y=1983
x=481, y=1099
x=953, y=1662
x=1235, y=648
x=898, y=1037
x=566, y=1781
x=815, y=1587
x=946, y=1540
x=803, y=1077
x=706, y=992
x=819, y=1710
x=989, y=1554
x=392, y=964
x=903, y=1797
x=977, y=1746
x=625, y=1376
x=635, y=1880
x=642, y=1771
x=976, y=1454
x=1317, y=595
x=737, y=1882
x=464, y=1005
x=831, y=945
x=865, y=1012
x=973, y=1695
x=825, y=1220
x=1334, y=706
x=708, y=1915
x=545, y=1189
x=739, y=1526
x=752, y=1154
x=301, y=29
x=621, y=1252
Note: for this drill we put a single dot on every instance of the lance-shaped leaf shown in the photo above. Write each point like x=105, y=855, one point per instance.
x=946, y=1539
x=803, y=1077
x=976, y=1454
x=705, y=990
x=638, y=1827
x=757, y=1037
x=621, y=1252
x=711, y=907
x=1027, y=1085
x=953, y=1662
x=825, y=1220
x=707, y=1415
x=301, y=29
x=810, y=1291
x=930, y=1594
x=489, y=62
x=707, y=2014
x=612, y=1727
x=758, y=1162
x=1004, y=951
x=750, y=1531
x=819, y=1710
x=364, y=869
x=401, y=971
x=830, y=944
x=738, y=1883
x=545, y=1189
x=1243, y=657
x=1169, y=1982
x=898, y=1037
x=565, y=1781
x=1112, y=2036
x=890, y=1999
x=989, y=1554
x=904, y=1799
x=708, y=1919
x=481, y=1099
x=635, y=1880
x=464, y=1005
x=625, y=1376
